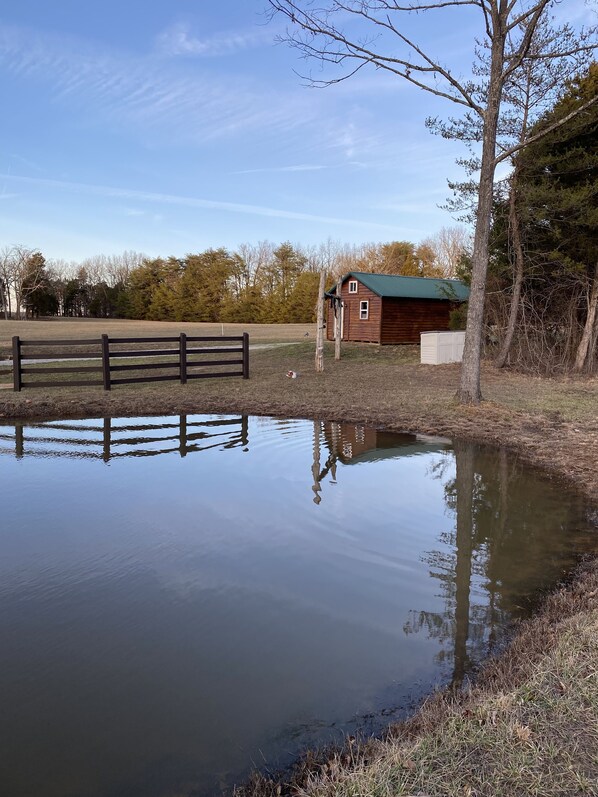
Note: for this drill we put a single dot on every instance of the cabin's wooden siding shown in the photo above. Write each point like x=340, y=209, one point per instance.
x=391, y=320
x=353, y=327
x=346, y=441
x=404, y=319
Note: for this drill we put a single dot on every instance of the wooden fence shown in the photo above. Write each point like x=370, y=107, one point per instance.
x=178, y=360
x=113, y=438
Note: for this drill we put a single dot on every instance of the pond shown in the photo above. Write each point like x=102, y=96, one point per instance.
x=185, y=598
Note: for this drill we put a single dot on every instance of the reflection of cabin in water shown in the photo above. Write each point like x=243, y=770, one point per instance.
x=387, y=308
x=352, y=444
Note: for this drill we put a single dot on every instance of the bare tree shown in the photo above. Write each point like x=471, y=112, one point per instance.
x=449, y=245
x=119, y=267
x=6, y=254
x=531, y=91
x=21, y=273
x=3, y=303
x=325, y=31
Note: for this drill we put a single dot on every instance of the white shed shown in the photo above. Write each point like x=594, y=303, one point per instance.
x=441, y=347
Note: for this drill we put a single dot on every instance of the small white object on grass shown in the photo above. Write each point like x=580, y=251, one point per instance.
x=292, y=374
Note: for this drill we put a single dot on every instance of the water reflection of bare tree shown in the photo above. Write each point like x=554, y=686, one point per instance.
x=318, y=472
x=512, y=539
x=453, y=569
x=315, y=468
x=464, y=485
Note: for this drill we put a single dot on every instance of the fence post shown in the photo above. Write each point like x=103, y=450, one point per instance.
x=16, y=363
x=19, y=440
x=183, y=435
x=106, y=362
x=245, y=355
x=107, y=439
x=183, y=358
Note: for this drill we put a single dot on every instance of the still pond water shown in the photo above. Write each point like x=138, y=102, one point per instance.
x=184, y=598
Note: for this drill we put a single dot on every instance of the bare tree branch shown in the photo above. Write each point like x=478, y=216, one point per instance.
x=320, y=26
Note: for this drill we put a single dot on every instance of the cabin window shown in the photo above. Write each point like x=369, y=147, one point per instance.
x=352, y=286
x=364, y=310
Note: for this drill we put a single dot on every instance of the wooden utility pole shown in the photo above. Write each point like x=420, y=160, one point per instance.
x=338, y=321
x=320, y=324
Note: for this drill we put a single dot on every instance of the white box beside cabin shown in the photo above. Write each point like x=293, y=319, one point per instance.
x=441, y=347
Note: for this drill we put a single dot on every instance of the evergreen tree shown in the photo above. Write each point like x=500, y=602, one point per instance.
x=559, y=184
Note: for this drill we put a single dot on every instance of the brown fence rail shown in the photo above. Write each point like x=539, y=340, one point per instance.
x=175, y=354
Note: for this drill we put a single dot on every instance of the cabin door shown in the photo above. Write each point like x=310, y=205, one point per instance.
x=345, y=311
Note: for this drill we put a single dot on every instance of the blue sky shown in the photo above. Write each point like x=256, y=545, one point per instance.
x=170, y=127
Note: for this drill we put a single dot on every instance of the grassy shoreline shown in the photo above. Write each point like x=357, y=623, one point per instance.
x=530, y=724
x=527, y=727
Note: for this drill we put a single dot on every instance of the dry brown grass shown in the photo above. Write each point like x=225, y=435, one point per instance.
x=72, y=328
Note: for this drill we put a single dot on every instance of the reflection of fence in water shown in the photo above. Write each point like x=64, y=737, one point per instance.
x=114, y=438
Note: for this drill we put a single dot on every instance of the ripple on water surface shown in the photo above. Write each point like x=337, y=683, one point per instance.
x=182, y=598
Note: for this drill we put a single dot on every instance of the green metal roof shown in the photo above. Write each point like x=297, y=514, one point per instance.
x=393, y=286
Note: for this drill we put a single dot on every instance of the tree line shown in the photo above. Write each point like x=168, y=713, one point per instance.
x=256, y=283
x=542, y=303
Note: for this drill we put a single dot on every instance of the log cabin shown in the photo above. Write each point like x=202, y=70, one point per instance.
x=386, y=308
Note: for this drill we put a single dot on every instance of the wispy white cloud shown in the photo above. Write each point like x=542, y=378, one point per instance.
x=135, y=213
x=26, y=162
x=190, y=106
x=302, y=167
x=191, y=202
x=178, y=40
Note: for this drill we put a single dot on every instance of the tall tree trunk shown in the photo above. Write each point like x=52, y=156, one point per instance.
x=464, y=479
x=3, y=302
x=320, y=325
x=469, y=387
x=515, y=230
x=584, y=350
